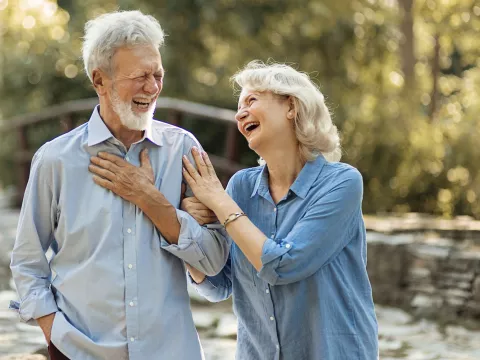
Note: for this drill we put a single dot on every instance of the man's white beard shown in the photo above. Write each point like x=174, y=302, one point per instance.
x=128, y=117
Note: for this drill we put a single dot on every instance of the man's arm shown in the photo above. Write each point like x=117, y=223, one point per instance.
x=136, y=185
x=204, y=249
x=30, y=268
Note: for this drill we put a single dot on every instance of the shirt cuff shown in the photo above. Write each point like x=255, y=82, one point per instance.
x=39, y=303
x=205, y=288
x=271, y=255
x=186, y=249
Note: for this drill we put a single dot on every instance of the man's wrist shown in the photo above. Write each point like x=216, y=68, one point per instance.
x=147, y=195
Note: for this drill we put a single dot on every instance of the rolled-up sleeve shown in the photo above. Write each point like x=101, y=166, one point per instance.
x=215, y=288
x=205, y=249
x=319, y=236
x=29, y=265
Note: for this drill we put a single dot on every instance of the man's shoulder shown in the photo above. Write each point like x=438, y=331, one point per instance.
x=62, y=144
x=169, y=131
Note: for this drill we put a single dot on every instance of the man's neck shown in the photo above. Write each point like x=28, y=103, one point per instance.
x=125, y=135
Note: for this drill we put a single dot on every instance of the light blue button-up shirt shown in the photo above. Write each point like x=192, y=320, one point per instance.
x=312, y=299
x=118, y=288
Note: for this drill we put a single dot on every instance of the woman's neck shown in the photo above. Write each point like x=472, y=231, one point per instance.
x=284, y=165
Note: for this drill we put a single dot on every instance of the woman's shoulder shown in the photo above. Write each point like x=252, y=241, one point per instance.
x=342, y=171
x=245, y=179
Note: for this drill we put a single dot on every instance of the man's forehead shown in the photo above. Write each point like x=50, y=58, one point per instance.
x=146, y=58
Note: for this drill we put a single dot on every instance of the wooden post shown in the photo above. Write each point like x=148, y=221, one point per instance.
x=66, y=122
x=174, y=117
x=231, y=150
x=23, y=164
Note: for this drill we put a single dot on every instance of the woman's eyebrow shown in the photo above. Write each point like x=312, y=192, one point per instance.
x=242, y=101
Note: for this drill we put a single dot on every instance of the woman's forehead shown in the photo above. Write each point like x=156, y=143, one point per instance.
x=246, y=92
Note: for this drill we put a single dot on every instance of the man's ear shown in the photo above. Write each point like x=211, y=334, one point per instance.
x=98, y=79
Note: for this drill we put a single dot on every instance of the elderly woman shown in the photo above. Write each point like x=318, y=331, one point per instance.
x=297, y=265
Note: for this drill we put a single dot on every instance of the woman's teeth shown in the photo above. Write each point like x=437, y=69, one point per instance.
x=251, y=127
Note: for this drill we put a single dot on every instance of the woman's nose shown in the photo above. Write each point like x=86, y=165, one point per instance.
x=241, y=115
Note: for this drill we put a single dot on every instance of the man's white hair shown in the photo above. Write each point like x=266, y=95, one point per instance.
x=108, y=32
x=314, y=128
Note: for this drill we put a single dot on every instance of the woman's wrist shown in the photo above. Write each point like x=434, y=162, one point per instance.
x=225, y=206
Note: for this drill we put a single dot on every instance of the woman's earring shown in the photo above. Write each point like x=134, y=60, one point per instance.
x=290, y=115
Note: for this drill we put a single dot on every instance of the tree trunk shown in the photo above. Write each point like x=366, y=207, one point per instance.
x=407, y=50
x=435, y=75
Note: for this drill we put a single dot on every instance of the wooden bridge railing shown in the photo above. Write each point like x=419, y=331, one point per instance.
x=226, y=165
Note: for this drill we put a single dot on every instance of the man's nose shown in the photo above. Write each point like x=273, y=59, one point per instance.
x=151, y=86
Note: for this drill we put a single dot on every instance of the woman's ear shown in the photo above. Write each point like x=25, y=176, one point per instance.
x=292, y=112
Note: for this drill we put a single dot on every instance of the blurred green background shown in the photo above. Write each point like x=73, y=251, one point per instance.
x=402, y=78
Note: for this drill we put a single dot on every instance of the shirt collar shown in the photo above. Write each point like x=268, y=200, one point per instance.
x=302, y=183
x=262, y=181
x=99, y=132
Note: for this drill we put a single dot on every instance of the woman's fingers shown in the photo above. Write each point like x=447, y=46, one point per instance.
x=190, y=169
x=188, y=178
x=201, y=166
x=208, y=163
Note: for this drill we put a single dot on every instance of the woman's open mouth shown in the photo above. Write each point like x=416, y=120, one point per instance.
x=249, y=128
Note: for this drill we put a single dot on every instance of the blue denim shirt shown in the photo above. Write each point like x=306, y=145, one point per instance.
x=312, y=299
x=117, y=287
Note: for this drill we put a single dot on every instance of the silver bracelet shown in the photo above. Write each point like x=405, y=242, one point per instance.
x=232, y=217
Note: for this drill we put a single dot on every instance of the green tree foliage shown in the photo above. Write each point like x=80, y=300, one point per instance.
x=400, y=76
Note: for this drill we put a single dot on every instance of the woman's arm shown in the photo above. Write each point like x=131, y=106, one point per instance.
x=319, y=235
x=214, y=288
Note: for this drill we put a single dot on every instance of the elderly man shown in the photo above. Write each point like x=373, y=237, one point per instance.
x=115, y=287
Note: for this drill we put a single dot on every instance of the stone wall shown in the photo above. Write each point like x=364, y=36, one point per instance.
x=427, y=275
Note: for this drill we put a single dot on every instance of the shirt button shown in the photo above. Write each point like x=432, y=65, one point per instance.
x=127, y=158
x=272, y=236
x=129, y=231
x=132, y=339
x=130, y=266
x=267, y=291
x=275, y=210
x=288, y=246
x=272, y=318
x=131, y=303
x=277, y=346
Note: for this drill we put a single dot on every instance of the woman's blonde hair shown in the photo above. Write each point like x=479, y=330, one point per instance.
x=314, y=129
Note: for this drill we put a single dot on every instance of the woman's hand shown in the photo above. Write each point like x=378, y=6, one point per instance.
x=198, y=211
x=204, y=183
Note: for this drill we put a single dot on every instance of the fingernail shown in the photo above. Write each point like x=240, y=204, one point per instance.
x=195, y=149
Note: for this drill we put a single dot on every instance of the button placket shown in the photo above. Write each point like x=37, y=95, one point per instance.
x=131, y=276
